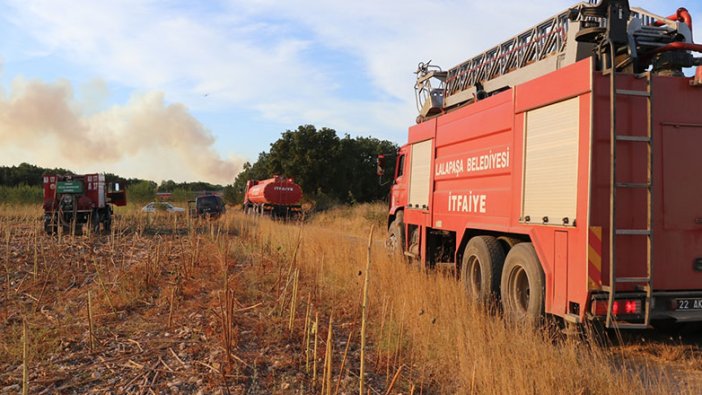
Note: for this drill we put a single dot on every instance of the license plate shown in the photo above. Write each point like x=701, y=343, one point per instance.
x=688, y=304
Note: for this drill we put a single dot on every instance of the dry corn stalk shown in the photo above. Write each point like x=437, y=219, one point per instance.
x=91, y=327
x=7, y=264
x=102, y=285
x=293, y=300
x=36, y=256
x=364, y=313
x=306, y=336
x=25, y=359
x=227, y=312
x=315, y=328
x=326, y=380
x=170, y=308
x=394, y=380
x=343, y=363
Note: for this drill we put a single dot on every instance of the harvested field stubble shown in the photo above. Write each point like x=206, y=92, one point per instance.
x=245, y=305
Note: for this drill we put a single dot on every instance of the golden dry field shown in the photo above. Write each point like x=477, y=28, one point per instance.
x=246, y=305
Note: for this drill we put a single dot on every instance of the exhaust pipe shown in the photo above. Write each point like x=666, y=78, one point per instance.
x=676, y=46
x=697, y=79
x=681, y=15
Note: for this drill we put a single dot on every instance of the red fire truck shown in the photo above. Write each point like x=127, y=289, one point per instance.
x=73, y=200
x=556, y=171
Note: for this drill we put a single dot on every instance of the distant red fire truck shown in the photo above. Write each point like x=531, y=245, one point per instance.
x=278, y=197
x=557, y=172
x=73, y=200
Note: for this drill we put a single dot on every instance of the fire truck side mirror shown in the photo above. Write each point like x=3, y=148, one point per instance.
x=380, y=169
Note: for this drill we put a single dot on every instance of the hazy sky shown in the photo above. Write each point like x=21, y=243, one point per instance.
x=188, y=90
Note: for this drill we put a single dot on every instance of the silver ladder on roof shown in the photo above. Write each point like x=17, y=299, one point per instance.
x=539, y=50
x=615, y=233
x=539, y=42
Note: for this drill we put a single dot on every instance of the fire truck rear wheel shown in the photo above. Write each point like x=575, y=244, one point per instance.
x=481, y=268
x=522, y=286
x=107, y=220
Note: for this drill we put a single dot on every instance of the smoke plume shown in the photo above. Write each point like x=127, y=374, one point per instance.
x=44, y=124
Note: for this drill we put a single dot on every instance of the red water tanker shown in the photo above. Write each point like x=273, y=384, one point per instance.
x=277, y=197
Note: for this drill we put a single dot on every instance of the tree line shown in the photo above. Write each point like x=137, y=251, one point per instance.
x=23, y=184
x=329, y=168
x=31, y=175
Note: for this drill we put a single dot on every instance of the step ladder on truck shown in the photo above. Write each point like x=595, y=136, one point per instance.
x=546, y=169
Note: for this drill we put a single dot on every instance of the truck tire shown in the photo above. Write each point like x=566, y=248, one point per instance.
x=68, y=214
x=95, y=221
x=395, y=242
x=50, y=224
x=107, y=220
x=522, y=286
x=481, y=268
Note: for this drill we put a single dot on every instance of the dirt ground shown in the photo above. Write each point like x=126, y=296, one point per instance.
x=159, y=318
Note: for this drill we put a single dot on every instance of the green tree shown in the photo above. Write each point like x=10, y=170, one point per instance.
x=21, y=194
x=167, y=186
x=358, y=181
x=259, y=170
x=326, y=167
x=142, y=192
x=26, y=174
x=309, y=155
x=230, y=195
x=181, y=194
x=187, y=188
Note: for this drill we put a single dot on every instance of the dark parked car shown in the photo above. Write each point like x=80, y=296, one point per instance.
x=207, y=206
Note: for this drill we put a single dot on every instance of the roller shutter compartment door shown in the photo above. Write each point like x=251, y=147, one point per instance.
x=420, y=175
x=551, y=163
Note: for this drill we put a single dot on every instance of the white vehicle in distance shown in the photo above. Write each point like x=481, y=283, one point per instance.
x=161, y=207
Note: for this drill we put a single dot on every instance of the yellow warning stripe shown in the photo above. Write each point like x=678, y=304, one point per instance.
x=594, y=257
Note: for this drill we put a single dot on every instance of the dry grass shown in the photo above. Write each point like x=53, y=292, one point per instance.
x=353, y=220
x=424, y=322
x=231, y=306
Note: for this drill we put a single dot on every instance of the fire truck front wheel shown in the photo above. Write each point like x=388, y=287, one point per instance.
x=50, y=224
x=522, y=285
x=395, y=243
x=481, y=268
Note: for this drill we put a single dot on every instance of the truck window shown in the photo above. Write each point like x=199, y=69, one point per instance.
x=400, y=166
